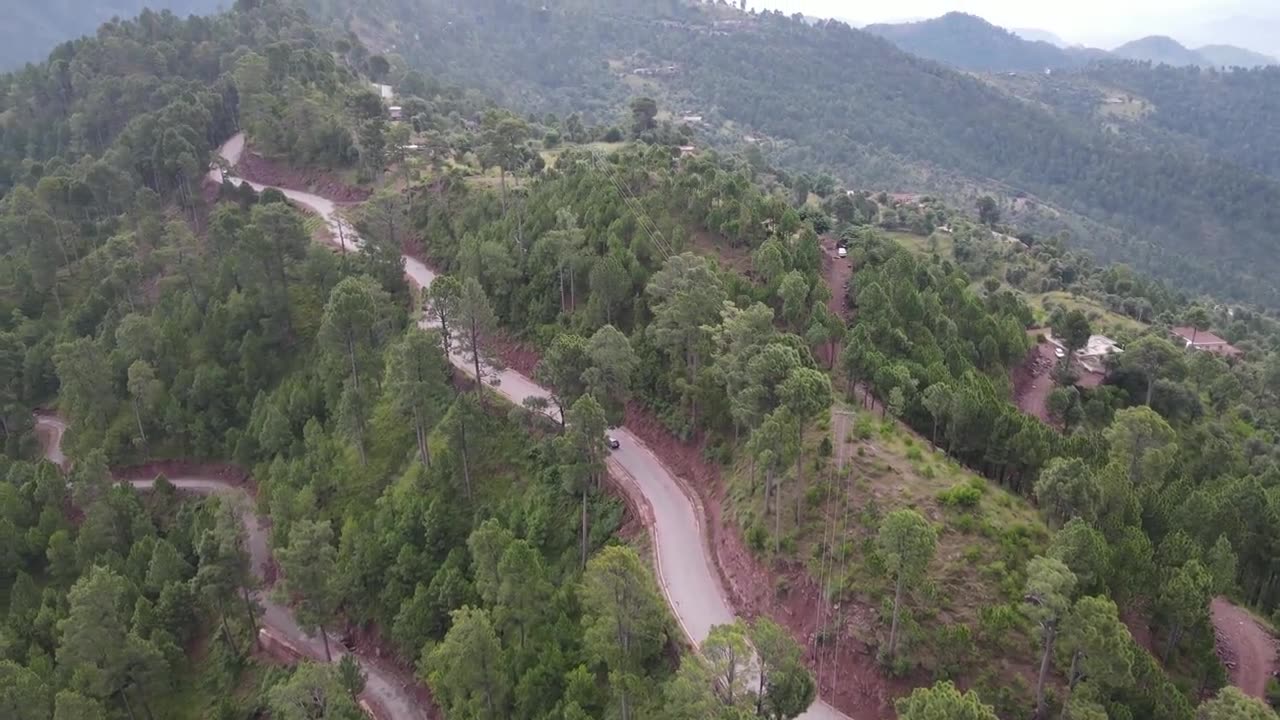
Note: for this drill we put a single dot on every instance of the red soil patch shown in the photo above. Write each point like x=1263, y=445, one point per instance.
x=269, y=172
x=846, y=671
x=520, y=356
x=225, y=472
x=717, y=246
x=369, y=643
x=1033, y=381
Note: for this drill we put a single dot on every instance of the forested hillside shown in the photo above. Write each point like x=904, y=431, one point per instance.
x=833, y=98
x=418, y=486
x=33, y=27
x=170, y=318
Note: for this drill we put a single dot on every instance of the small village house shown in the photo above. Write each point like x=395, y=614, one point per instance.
x=1205, y=341
x=1090, y=361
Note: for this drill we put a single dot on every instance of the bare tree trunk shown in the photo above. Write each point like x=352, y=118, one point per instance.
x=893, y=629
x=423, y=450
x=1175, y=635
x=475, y=359
x=760, y=690
x=573, y=292
x=138, y=416
x=777, y=516
x=253, y=621
x=799, y=473
x=1049, y=632
x=466, y=465
x=128, y=708
x=351, y=354
x=226, y=631
x=1071, y=682
x=324, y=636
x=584, y=526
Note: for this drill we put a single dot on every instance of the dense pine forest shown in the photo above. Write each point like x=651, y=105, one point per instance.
x=265, y=423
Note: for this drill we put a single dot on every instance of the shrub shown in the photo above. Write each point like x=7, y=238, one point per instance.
x=963, y=495
x=953, y=650
x=1009, y=696
x=864, y=427
x=757, y=538
x=814, y=495
x=996, y=624
x=914, y=454
x=825, y=447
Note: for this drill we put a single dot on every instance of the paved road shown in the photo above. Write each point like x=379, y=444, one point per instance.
x=688, y=578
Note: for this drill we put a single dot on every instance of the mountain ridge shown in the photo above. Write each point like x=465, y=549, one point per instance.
x=970, y=42
x=887, y=120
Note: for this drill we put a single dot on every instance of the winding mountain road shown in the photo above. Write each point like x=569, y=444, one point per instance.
x=682, y=552
x=384, y=691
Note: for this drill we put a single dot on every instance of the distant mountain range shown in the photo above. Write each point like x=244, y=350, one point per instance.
x=969, y=42
x=1037, y=35
x=1162, y=49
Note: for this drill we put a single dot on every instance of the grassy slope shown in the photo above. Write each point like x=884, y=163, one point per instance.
x=982, y=549
x=1103, y=319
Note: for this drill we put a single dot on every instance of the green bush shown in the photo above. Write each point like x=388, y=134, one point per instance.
x=1009, y=696
x=953, y=649
x=963, y=495
x=757, y=538
x=864, y=427
x=996, y=623
x=815, y=494
x=1273, y=693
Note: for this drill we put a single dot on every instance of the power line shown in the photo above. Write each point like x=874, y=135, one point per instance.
x=642, y=218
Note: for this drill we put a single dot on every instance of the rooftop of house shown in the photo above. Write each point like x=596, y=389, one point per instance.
x=1100, y=345
x=1205, y=340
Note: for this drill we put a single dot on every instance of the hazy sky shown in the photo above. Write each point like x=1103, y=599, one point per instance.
x=1100, y=22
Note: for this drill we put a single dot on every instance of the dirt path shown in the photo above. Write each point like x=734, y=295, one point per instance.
x=1033, y=381
x=1247, y=648
x=838, y=273
x=390, y=693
